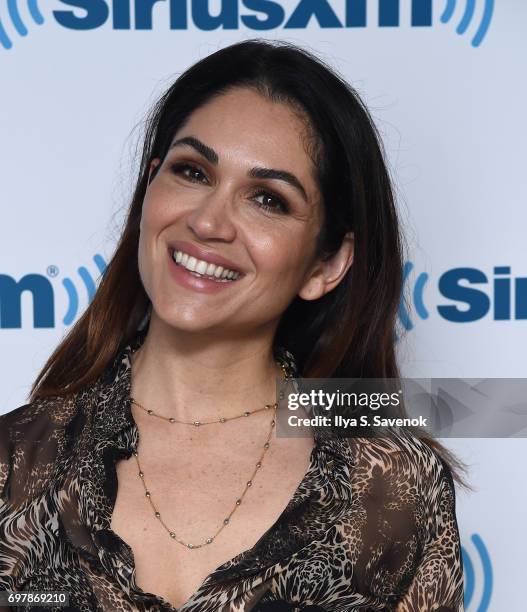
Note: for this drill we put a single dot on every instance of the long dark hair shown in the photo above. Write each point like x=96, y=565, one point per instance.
x=349, y=332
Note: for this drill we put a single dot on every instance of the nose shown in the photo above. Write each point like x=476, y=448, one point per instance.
x=211, y=218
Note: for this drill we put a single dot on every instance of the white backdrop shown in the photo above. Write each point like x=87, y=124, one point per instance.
x=451, y=111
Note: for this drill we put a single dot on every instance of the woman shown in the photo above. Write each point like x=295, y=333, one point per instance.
x=262, y=241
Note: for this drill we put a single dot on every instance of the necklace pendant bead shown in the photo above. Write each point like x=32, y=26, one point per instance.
x=222, y=419
x=141, y=474
x=272, y=423
x=157, y=514
x=258, y=465
x=246, y=413
x=172, y=535
x=172, y=419
x=150, y=411
x=266, y=445
x=197, y=423
x=249, y=483
x=238, y=502
x=226, y=521
x=209, y=540
x=147, y=493
x=190, y=545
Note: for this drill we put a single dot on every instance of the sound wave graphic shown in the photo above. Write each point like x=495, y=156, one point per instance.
x=89, y=283
x=417, y=297
x=468, y=16
x=470, y=575
x=16, y=20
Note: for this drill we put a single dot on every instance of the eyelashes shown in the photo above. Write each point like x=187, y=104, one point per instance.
x=179, y=168
x=280, y=205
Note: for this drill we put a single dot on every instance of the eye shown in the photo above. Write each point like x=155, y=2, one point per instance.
x=181, y=168
x=279, y=205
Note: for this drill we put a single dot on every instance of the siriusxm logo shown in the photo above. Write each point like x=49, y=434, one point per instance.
x=43, y=293
x=261, y=15
x=460, y=285
x=478, y=576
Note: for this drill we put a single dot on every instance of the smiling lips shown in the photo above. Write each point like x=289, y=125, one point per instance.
x=204, y=269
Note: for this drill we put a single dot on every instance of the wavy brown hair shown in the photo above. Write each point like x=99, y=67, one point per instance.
x=351, y=331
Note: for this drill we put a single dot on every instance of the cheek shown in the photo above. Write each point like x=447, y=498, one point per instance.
x=156, y=211
x=281, y=254
x=154, y=218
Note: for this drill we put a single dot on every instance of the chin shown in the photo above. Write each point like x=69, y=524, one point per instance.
x=190, y=320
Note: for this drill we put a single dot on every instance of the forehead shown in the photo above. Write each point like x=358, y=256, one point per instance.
x=241, y=124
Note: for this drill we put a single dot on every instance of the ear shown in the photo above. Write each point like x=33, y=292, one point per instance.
x=327, y=274
x=154, y=167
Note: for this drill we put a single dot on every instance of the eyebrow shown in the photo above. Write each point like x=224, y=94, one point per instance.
x=257, y=172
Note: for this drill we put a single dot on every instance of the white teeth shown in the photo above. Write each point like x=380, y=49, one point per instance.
x=201, y=267
x=204, y=268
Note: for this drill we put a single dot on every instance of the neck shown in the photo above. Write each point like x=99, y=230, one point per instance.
x=192, y=378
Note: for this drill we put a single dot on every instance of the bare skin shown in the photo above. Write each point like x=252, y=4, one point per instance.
x=210, y=355
x=194, y=491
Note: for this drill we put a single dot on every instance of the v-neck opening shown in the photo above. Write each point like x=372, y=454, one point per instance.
x=125, y=440
x=232, y=562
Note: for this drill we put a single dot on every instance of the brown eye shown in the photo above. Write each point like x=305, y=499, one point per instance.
x=188, y=171
x=279, y=205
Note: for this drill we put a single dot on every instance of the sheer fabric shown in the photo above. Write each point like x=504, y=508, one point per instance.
x=372, y=525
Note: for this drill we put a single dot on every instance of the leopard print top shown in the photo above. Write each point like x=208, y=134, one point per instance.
x=372, y=525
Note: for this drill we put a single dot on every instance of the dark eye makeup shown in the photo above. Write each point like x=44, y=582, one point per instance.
x=189, y=172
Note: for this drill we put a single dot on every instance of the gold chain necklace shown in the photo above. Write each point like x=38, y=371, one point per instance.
x=248, y=484
x=199, y=423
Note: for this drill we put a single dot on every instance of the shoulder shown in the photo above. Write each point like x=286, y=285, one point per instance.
x=403, y=472
x=406, y=506
x=401, y=523
x=32, y=439
x=403, y=452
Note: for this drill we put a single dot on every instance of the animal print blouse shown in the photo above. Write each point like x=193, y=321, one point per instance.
x=372, y=526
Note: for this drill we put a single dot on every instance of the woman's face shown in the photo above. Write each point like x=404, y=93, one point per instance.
x=206, y=194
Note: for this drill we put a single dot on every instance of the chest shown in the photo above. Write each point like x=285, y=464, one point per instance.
x=193, y=501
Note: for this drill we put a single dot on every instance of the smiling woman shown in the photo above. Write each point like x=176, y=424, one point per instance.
x=145, y=472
